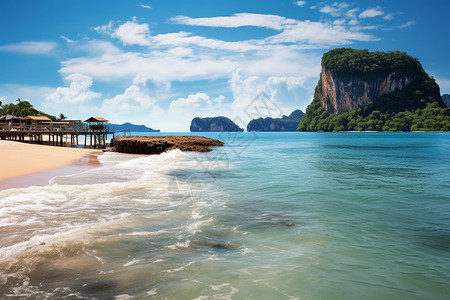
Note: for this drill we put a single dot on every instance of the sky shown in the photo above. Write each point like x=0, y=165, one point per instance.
x=163, y=62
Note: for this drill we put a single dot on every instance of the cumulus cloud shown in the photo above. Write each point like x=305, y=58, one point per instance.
x=129, y=33
x=193, y=101
x=133, y=99
x=78, y=91
x=35, y=48
x=132, y=33
x=371, y=13
x=145, y=6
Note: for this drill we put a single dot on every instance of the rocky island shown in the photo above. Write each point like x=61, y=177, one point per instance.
x=285, y=123
x=160, y=144
x=219, y=124
x=446, y=99
x=360, y=90
x=132, y=127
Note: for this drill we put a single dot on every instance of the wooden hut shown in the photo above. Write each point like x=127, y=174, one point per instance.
x=97, y=124
x=98, y=131
x=10, y=122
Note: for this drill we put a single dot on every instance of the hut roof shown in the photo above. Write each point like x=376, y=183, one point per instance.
x=96, y=119
x=37, y=118
x=9, y=117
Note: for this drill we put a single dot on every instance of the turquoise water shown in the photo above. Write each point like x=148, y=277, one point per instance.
x=267, y=216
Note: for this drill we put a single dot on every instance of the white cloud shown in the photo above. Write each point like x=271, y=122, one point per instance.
x=132, y=33
x=133, y=99
x=158, y=67
x=236, y=20
x=129, y=33
x=145, y=6
x=300, y=3
x=78, y=91
x=36, y=48
x=105, y=29
x=185, y=38
x=67, y=39
x=319, y=34
x=335, y=10
x=371, y=13
x=407, y=24
x=388, y=17
x=194, y=101
x=301, y=33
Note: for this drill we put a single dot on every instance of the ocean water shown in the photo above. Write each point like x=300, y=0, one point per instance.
x=267, y=216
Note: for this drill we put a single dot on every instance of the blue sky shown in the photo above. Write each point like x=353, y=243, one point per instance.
x=162, y=63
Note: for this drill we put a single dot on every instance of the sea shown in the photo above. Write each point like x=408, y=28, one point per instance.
x=267, y=216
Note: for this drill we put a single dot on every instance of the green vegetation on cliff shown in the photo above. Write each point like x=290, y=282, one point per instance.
x=417, y=107
x=23, y=109
x=362, y=63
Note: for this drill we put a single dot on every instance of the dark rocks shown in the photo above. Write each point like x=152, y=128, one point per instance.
x=160, y=144
x=220, y=124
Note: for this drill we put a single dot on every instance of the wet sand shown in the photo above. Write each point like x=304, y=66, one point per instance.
x=25, y=164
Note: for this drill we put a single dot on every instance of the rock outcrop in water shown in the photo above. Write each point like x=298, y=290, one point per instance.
x=286, y=123
x=213, y=124
x=374, y=91
x=160, y=144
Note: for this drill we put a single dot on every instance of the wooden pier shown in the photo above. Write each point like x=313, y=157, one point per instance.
x=63, y=133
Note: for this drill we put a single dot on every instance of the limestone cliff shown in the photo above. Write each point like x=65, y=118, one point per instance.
x=341, y=94
x=374, y=91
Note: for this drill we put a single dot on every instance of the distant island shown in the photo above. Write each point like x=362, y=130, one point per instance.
x=285, y=123
x=131, y=127
x=214, y=124
x=360, y=90
x=446, y=99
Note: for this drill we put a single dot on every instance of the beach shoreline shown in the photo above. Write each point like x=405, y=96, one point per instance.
x=26, y=164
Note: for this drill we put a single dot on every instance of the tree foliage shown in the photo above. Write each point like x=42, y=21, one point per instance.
x=23, y=109
x=362, y=63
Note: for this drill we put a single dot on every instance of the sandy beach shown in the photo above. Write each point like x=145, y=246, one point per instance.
x=20, y=159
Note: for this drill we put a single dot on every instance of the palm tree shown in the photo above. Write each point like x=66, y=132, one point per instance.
x=62, y=117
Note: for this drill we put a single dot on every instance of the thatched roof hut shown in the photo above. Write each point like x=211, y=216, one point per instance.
x=10, y=118
x=96, y=120
x=38, y=118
